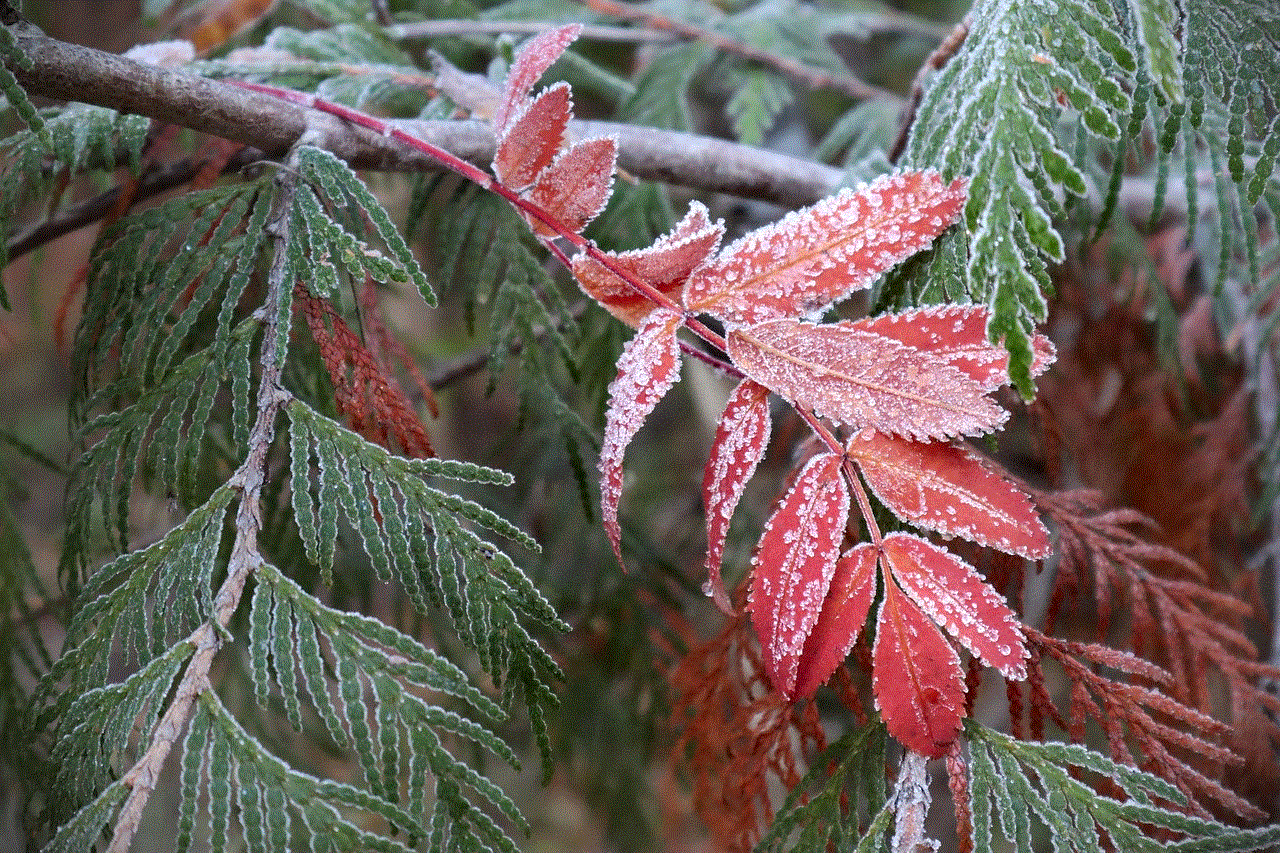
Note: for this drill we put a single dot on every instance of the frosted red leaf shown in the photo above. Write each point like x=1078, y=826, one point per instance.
x=793, y=565
x=576, y=186
x=741, y=438
x=648, y=367
x=665, y=265
x=534, y=137
x=859, y=378
x=916, y=676
x=813, y=257
x=958, y=335
x=849, y=599
x=948, y=488
x=531, y=61
x=956, y=597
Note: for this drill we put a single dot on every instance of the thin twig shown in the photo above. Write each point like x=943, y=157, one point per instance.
x=154, y=181
x=805, y=75
x=940, y=56
x=464, y=27
x=245, y=556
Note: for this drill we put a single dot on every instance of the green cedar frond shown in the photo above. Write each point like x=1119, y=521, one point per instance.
x=483, y=248
x=1018, y=786
x=138, y=605
x=344, y=191
x=831, y=806
x=659, y=100
x=100, y=730
x=15, y=95
x=994, y=113
x=379, y=669
x=759, y=94
x=74, y=139
x=349, y=63
x=423, y=537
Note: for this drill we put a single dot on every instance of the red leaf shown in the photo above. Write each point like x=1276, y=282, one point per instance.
x=576, y=186
x=666, y=265
x=861, y=379
x=957, y=598
x=853, y=588
x=648, y=367
x=958, y=334
x=532, y=61
x=811, y=258
x=793, y=565
x=534, y=137
x=947, y=488
x=916, y=676
x=740, y=442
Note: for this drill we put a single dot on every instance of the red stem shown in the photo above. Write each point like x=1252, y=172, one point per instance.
x=482, y=178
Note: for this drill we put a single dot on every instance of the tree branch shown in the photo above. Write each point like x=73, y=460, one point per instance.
x=245, y=556
x=71, y=73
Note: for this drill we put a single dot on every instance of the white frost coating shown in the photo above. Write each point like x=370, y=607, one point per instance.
x=811, y=258
x=647, y=369
x=949, y=489
x=860, y=378
x=794, y=563
x=956, y=597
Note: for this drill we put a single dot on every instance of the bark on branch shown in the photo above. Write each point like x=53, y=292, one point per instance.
x=72, y=73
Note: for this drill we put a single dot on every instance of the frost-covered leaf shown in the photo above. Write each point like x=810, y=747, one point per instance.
x=532, y=61
x=665, y=265
x=534, y=137
x=947, y=488
x=955, y=596
x=648, y=367
x=849, y=599
x=814, y=257
x=957, y=334
x=576, y=186
x=1007, y=111
x=859, y=378
x=741, y=438
x=916, y=677
x=793, y=565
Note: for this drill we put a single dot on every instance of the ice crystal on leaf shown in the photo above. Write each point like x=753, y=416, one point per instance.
x=665, y=265
x=649, y=366
x=741, y=438
x=817, y=256
x=532, y=61
x=859, y=378
x=955, y=596
x=916, y=676
x=948, y=488
x=794, y=563
x=520, y=157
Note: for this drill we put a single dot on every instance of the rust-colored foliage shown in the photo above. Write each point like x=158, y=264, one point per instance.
x=363, y=388
x=739, y=736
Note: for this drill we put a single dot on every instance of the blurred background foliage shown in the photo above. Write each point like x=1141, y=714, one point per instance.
x=522, y=387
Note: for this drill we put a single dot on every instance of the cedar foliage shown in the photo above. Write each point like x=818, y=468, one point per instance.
x=341, y=631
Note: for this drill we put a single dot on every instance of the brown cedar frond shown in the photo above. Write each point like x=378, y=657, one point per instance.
x=737, y=735
x=1176, y=619
x=374, y=405
x=1163, y=729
